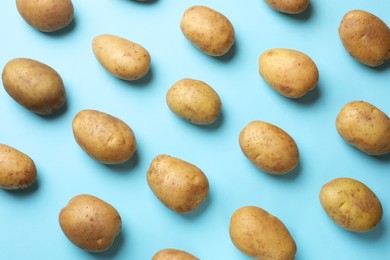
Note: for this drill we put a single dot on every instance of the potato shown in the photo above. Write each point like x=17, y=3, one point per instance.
x=17, y=170
x=365, y=127
x=291, y=73
x=90, y=223
x=173, y=254
x=365, y=37
x=195, y=101
x=269, y=148
x=46, y=15
x=122, y=58
x=179, y=185
x=351, y=204
x=258, y=234
x=207, y=29
x=105, y=138
x=288, y=7
x=34, y=85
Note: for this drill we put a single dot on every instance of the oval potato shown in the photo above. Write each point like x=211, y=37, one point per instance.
x=173, y=254
x=288, y=7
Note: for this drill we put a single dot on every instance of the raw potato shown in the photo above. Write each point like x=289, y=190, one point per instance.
x=17, y=170
x=173, y=254
x=260, y=235
x=105, y=138
x=179, y=185
x=291, y=73
x=120, y=57
x=365, y=37
x=34, y=85
x=194, y=101
x=351, y=204
x=46, y=15
x=269, y=148
x=288, y=7
x=209, y=30
x=364, y=126
x=90, y=223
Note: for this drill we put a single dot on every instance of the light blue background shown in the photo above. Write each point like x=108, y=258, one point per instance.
x=29, y=219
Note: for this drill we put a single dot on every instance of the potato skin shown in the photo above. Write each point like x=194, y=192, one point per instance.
x=260, y=235
x=173, y=254
x=269, y=147
x=207, y=29
x=34, y=85
x=90, y=223
x=291, y=73
x=288, y=7
x=195, y=101
x=17, y=170
x=365, y=37
x=105, y=138
x=46, y=15
x=365, y=127
x=122, y=58
x=351, y=204
x=179, y=185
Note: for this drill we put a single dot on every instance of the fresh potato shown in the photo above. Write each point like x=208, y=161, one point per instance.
x=105, y=138
x=17, y=170
x=34, y=85
x=173, y=254
x=365, y=37
x=122, y=58
x=179, y=185
x=46, y=15
x=207, y=29
x=260, y=235
x=291, y=73
x=351, y=204
x=288, y=7
x=364, y=126
x=269, y=148
x=90, y=223
x=194, y=101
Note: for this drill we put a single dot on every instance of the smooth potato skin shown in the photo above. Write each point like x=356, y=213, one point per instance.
x=365, y=127
x=288, y=7
x=105, y=138
x=90, y=223
x=179, y=185
x=46, y=15
x=173, y=254
x=17, y=170
x=351, y=204
x=258, y=234
x=209, y=30
x=34, y=85
x=365, y=37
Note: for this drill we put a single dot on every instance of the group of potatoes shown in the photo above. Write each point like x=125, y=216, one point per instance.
x=93, y=224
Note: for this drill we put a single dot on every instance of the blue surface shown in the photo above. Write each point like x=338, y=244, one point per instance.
x=29, y=219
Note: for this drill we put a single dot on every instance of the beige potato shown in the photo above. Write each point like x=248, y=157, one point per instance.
x=105, y=138
x=195, y=101
x=17, y=170
x=291, y=73
x=207, y=29
x=46, y=15
x=365, y=127
x=122, y=58
x=269, y=147
x=179, y=185
x=34, y=85
x=173, y=254
x=288, y=7
x=365, y=37
x=260, y=235
x=351, y=204
x=90, y=223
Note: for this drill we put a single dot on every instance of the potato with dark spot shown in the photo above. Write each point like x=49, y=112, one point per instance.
x=288, y=7
x=173, y=254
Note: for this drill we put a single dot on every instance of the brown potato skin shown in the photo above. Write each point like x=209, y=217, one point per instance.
x=365, y=127
x=46, y=15
x=365, y=37
x=288, y=7
x=105, y=138
x=34, y=85
x=173, y=254
x=179, y=185
x=260, y=235
x=17, y=170
x=90, y=223
x=351, y=204
x=207, y=29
